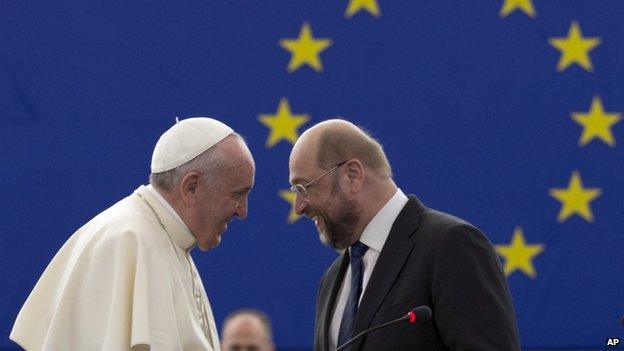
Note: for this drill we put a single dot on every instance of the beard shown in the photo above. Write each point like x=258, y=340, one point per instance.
x=339, y=232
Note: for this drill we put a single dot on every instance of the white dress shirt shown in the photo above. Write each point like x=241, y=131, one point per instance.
x=374, y=236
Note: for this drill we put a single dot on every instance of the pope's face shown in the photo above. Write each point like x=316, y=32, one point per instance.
x=220, y=199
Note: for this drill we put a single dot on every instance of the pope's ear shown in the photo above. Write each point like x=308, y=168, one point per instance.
x=189, y=187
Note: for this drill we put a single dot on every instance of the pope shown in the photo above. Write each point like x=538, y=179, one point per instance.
x=126, y=280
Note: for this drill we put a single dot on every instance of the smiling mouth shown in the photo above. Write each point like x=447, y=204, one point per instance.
x=225, y=226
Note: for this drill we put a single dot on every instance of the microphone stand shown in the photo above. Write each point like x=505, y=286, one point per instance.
x=406, y=317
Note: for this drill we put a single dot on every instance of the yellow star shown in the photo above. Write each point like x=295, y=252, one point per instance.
x=575, y=199
x=575, y=48
x=518, y=255
x=283, y=124
x=596, y=123
x=290, y=197
x=356, y=6
x=510, y=6
x=305, y=49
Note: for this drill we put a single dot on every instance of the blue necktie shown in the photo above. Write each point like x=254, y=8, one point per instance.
x=348, y=316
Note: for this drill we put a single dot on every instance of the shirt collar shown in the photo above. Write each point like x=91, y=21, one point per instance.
x=166, y=204
x=174, y=225
x=377, y=230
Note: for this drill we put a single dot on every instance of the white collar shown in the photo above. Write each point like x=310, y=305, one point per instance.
x=377, y=230
x=186, y=243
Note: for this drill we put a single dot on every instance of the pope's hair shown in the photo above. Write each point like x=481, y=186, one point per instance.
x=207, y=163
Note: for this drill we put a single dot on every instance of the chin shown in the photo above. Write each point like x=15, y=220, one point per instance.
x=203, y=247
x=209, y=246
x=327, y=241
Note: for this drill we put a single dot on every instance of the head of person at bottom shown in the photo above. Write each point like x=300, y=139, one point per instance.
x=342, y=178
x=247, y=330
x=205, y=171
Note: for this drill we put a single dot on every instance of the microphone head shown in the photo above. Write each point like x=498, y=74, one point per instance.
x=420, y=313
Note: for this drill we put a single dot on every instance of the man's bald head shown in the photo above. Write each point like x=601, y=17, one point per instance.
x=247, y=330
x=336, y=140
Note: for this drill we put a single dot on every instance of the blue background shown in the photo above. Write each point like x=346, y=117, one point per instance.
x=469, y=106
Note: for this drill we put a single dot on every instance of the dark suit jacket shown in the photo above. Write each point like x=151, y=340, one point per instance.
x=434, y=259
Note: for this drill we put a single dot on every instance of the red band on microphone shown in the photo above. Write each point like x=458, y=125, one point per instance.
x=412, y=317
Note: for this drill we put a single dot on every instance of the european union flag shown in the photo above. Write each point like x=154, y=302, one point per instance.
x=506, y=113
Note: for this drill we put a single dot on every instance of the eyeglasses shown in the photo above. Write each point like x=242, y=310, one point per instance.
x=302, y=190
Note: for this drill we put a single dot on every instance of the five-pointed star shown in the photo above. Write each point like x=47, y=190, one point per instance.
x=575, y=48
x=518, y=255
x=305, y=49
x=283, y=124
x=596, y=123
x=575, y=199
x=510, y=6
x=290, y=197
x=356, y=6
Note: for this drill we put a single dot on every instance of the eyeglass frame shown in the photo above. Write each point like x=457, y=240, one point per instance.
x=302, y=189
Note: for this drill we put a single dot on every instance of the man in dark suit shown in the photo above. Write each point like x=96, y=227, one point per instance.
x=398, y=254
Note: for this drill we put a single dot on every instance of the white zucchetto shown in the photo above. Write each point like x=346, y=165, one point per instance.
x=186, y=140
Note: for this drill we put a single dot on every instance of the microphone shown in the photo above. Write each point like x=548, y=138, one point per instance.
x=418, y=314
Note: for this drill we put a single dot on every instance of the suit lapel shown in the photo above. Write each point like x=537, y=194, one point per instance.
x=334, y=278
x=393, y=255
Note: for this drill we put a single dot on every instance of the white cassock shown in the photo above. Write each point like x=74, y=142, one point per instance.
x=124, y=281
